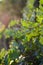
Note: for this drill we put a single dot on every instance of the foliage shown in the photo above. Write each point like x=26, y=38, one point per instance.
x=26, y=46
